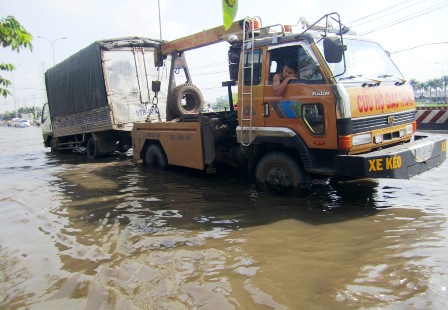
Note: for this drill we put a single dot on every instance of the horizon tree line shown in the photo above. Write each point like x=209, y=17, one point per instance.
x=438, y=85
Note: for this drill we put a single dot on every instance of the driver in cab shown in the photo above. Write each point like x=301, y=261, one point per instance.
x=281, y=80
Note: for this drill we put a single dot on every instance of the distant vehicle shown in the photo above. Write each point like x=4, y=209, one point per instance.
x=15, y=122
x=24, y=123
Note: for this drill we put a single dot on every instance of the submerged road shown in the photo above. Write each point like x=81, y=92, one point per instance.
x=110, y=234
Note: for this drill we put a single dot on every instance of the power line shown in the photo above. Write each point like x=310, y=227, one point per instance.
x=391, y=7
x=27, y=88
x=409, y=17
x=393, y=12
x=210, y=65
x=211, y=73
x=410, y=48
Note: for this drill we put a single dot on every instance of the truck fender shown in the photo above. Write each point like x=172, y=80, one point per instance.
x=185, y=99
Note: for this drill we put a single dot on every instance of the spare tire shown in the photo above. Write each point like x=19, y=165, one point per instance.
x=185, y=99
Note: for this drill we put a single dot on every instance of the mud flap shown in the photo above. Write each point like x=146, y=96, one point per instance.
x=397, y=162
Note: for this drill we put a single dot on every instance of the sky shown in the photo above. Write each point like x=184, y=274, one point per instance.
x=410, y=30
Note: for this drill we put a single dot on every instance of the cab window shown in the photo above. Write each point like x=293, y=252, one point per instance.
x=308, y=67
x=45, y=113
x=256, y=62
x=313, y=117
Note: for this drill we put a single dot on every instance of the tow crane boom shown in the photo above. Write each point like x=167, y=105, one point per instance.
x=201, y=39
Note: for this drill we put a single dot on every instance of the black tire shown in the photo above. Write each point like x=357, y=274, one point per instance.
x=185, y=99
x=123, y=148
x=53, y=142
x=278, y=173
x=125, y=144
x=92, y=150
x=155, y=157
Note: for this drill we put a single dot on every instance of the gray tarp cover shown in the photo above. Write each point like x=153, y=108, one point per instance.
x=77, y=83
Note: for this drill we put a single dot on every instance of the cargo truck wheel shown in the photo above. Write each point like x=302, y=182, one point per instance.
x=278, y=173
x=92, y=149
x=155, y=157
x=185, y=99
x=53, y=144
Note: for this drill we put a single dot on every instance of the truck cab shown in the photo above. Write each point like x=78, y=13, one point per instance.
x=353, y=104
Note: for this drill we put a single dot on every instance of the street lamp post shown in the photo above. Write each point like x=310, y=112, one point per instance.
x=443, y=79
x=444, y=83
x=52, y=45
x=14, y=91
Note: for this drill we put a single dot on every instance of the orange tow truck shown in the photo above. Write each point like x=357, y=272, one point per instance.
x=349, y=111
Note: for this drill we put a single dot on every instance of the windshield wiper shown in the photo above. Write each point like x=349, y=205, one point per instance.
x=375, y=82
x=398, y=83
x=350, y=77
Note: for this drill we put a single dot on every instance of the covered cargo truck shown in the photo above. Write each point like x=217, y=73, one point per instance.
x=96, y=95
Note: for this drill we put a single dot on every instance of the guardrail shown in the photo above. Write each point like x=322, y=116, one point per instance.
x=432, y=118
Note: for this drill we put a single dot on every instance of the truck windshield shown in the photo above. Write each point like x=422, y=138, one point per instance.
x=364, y=60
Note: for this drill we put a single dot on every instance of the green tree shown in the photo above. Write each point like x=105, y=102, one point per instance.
x=432, y=84
x=445, y=82
x=424, y=87
x=439, y=85
x=15, y=36
x=414, y=84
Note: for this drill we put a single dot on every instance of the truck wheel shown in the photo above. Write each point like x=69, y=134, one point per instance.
x=53, y=144
x=155, y=157
x=185, y=99
x=92, y=149
x=278, y=173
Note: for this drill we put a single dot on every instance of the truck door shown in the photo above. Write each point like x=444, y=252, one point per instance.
x=250, y=99
x=45, y=125
x=307, y=104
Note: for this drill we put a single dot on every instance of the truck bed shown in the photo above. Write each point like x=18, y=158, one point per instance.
x=191, y=141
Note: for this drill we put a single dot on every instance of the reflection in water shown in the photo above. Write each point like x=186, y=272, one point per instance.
x=112, y=234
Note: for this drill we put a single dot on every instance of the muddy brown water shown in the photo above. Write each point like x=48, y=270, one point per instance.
x=111, y=234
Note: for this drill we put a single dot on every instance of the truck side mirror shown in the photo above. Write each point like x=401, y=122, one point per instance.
x=234, y=60
x=233, y=72
x=333, y=49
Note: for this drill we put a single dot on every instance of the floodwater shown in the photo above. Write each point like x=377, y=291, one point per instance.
x=111, y=234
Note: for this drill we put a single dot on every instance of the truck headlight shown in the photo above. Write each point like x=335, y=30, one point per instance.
x=362, y=139
x=378, y=138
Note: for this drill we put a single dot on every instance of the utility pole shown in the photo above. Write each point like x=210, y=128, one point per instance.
x=14, y=92
x=34, y=101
